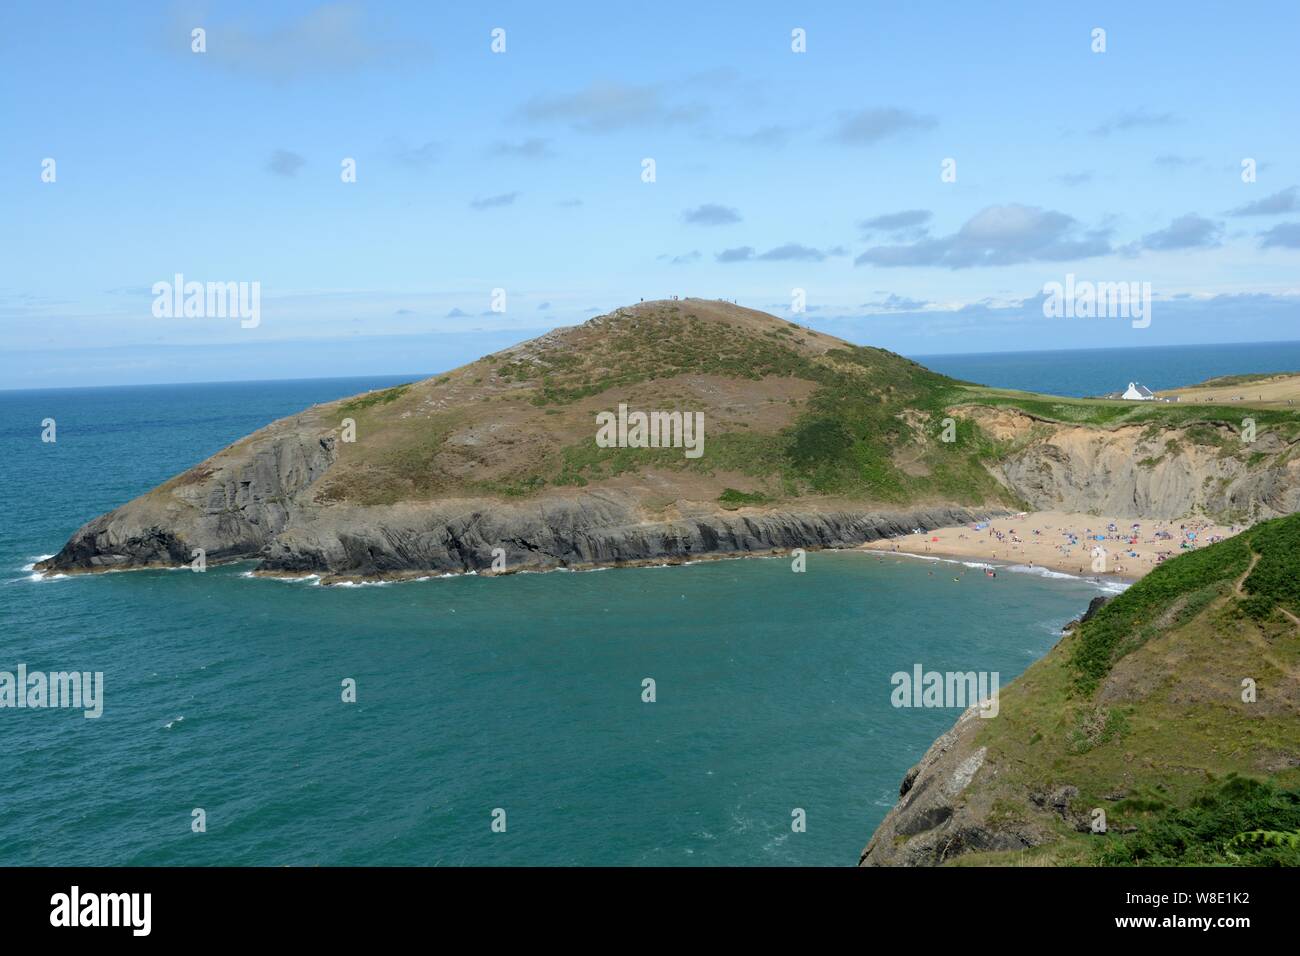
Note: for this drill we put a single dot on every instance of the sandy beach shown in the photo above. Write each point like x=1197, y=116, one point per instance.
x=1064, y=542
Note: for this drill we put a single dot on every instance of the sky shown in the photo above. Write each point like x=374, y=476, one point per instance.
x=921, y=171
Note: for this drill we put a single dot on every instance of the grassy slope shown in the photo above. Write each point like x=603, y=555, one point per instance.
x=818, y=417
x=1141, y=710
x=861, y=406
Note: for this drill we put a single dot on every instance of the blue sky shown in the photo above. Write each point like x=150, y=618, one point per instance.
x=522, y=170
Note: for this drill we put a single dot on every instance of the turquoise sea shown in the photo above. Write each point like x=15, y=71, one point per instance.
x=524, y=693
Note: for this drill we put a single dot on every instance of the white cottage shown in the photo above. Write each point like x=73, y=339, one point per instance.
x=1138, y=393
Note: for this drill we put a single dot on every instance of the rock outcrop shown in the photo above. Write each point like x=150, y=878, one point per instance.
x=232, y=505
x=934, y=820
x=249, y=512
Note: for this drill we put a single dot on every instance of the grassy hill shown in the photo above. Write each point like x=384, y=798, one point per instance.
x=1139, y=712
x=789, y=412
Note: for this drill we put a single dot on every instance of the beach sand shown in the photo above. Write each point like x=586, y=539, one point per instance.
x=1064, y=542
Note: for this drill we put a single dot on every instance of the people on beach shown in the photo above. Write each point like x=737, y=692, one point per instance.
x=1116, y=546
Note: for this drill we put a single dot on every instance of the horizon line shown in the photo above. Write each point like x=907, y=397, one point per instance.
x=420, y=376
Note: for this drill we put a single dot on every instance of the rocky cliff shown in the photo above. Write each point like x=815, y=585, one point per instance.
x=1201, y=467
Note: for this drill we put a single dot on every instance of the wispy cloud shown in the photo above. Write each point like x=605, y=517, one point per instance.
x=1186, y=232
x=1286, y=200
x=869, y=126
x=605, y=107
x=532, y=148
x=417, y=157
x=790, y=252
x=997, y=236
x=766, y=137
x=1134, y=119
x=908, y=224
x=284, y=162
x=1285, y=235
x=895, y=303
x=491, y=202
x=1074, y=179
x=330, y=38
x=711, y=214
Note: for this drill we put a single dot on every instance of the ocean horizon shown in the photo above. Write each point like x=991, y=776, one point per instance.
x=1069, y=372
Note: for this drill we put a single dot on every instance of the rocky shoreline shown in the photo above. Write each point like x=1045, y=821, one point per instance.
x=481, y=536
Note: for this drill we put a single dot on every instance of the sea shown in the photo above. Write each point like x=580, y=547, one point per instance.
x=720, y=713
x=1091, y=372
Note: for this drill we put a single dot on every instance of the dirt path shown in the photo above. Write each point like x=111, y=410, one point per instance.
x=1265, y=651
x=1254, y=560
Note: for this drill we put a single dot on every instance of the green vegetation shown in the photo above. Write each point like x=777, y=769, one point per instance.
x=858, y=423
x=1179, y=589
x=372, y=399
x=1141, y=710
x=653, y=346
x=1174, y=591
x=730, y=497
x=1275, y=579
x=1239, y=822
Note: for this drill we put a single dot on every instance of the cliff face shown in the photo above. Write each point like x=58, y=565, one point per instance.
x=232, y=505
x=1140, y=472
x=462, y=536
x=935, y=818
x=457, y=535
